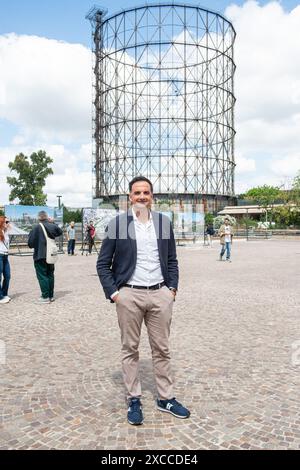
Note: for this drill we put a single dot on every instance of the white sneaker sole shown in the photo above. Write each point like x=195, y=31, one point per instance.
x=135, y=424
x=169, y=411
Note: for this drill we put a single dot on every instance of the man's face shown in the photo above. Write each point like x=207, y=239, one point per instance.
x=72, y=224
x=141, y=195
x=226, y=222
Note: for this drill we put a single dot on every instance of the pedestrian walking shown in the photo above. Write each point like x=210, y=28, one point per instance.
x=37, y=241
x=226, y=235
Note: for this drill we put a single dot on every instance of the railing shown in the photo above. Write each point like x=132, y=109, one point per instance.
x=182, y=237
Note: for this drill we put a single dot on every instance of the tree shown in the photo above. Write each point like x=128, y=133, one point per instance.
x=69, y=216
x=208, y=218
x=247, y=221
x=265, y=196
x=32, y=173
x=295, y=193
x=296, y=182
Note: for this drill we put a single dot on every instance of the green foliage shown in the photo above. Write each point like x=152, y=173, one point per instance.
x=32, y=173
x=247, y=222
x=263, y=195
x=219, y=220
x=1, y=212
x=163, y=205
x=209, y=218
x=295, y=192
x=164, y=202
x=296, y=182
x=70, y=216
x=286, y=216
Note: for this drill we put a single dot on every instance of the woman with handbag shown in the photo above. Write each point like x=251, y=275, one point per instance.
x=4, y=263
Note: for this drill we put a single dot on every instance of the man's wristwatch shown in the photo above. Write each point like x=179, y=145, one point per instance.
x=173, y=289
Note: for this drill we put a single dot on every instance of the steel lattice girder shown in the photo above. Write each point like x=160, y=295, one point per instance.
x=163, y=100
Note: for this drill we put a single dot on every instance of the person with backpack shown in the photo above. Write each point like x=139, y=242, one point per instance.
x=42, y=240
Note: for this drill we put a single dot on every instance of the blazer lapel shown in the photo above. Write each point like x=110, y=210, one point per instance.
x=131, y=231
x=156, y=217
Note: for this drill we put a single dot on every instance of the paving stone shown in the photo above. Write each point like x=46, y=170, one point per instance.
x=232, y=337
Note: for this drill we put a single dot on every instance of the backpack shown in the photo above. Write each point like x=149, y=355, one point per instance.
x=51, y=248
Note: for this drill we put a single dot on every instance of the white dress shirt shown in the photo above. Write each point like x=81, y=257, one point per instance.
x=147, y=270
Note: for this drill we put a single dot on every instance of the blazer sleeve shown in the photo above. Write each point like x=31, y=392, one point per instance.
x=105, y=260
x=32, y=238
x=173, y=273
x=58, y=231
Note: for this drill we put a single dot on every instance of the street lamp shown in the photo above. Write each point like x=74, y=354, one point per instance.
x=61, y=238
x=59, y=201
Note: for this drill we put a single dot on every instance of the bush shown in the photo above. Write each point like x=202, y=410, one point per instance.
x=219, y=220
x=209, y=219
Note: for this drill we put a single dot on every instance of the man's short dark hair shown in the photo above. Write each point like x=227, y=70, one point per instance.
x=140, y=178
x=42, y=215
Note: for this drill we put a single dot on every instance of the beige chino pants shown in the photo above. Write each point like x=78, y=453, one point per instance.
x=155, y=308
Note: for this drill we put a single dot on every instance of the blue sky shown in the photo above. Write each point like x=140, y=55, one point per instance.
x=65, y=19
x=45, y=89
x=15, y=212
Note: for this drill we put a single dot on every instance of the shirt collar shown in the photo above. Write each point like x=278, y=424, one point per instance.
x=137, y=220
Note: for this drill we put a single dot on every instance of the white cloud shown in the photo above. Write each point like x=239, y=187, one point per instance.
x=287, y=166
x=73, y=185
x=267, y=87
x=244, y=165
x=46, y=87
x=45, y=91
x=244, y=183
x=72, y=176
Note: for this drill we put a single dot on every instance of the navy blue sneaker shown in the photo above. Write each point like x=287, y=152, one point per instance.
x=135, y=414
x=174, y=407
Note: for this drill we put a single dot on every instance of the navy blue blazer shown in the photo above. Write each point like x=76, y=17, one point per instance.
x=117, y=258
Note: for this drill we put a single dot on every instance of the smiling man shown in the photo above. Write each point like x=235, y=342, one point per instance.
x=138, y=270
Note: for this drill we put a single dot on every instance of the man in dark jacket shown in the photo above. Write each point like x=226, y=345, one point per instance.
x=44, y=271
x=138, y=270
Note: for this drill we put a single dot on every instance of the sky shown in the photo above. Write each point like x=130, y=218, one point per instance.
x=46, y=90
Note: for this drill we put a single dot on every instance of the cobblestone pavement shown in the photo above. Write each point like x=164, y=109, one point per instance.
x=235, y=348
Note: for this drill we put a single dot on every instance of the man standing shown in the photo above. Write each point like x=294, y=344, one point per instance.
x=71, y=238
x=210, y=233
x=138, y=270
x=44, y=271
x=91, y=233
x=226, y=235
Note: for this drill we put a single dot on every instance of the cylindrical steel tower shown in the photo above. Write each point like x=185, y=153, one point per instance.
x=163, y=101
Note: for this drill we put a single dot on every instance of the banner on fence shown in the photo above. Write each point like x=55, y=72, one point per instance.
x=188, y=224
x=99, y=218
x=25, y=217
